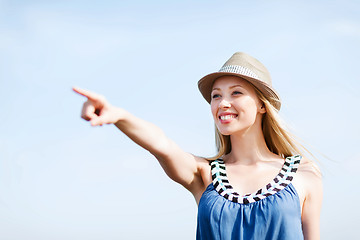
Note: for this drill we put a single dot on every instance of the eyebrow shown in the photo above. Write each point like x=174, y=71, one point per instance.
x=237, y=85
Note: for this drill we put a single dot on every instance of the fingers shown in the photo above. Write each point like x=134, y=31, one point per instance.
x=88, y=111
x=93, y=108
x=96, y=121
x=86, y=93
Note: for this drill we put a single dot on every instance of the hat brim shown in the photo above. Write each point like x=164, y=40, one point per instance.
x=205, y=86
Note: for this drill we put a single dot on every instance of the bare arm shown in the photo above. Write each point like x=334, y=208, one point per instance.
x=180, y=166
x=312, y=206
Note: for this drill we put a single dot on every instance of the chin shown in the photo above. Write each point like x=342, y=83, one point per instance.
x=231, y=131
x=225, y=132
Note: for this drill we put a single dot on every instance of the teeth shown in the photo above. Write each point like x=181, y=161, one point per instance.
x=227, y=117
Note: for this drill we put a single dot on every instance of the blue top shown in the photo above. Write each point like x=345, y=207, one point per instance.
x=272, y=212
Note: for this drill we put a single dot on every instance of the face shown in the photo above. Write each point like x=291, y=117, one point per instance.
x=235, y=105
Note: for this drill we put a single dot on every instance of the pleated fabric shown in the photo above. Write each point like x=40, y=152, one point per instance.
x=273, y=217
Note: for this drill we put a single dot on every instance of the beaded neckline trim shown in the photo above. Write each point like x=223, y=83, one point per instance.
x=223, y=187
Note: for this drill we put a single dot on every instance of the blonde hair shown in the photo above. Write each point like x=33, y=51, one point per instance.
x=278, y=139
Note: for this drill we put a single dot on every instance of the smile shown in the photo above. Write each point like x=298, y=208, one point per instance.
x=227, y=117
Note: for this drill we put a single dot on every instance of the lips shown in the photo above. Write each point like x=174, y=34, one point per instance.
x=227, y=117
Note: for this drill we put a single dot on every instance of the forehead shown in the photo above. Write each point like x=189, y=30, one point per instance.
x=229, y=81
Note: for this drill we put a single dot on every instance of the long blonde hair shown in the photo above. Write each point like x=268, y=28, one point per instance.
x=278, y=139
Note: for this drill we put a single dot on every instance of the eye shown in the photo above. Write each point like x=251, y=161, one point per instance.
x=215, y=96
x=237, y=92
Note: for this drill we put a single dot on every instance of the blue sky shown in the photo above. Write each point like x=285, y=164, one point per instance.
x=62, y=179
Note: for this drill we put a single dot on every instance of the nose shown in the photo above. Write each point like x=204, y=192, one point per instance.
x=224, y=104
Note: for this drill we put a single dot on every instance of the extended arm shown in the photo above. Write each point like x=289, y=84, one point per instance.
x=180, y=166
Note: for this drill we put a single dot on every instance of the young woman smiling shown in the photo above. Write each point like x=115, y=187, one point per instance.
x=258, y=186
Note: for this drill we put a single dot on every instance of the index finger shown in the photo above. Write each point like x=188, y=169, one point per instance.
x=86, y=93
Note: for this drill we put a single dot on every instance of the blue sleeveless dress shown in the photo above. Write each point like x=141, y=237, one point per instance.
x=271, y=213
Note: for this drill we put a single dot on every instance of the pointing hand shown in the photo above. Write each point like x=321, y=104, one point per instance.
x=96, y=109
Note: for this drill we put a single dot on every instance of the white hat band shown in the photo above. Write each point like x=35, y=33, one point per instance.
x=239, y=70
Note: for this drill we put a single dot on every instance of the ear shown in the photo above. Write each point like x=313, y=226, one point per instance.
x=262, y=108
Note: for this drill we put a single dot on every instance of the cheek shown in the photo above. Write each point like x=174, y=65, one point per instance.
x=251, y=110
x=247, y=108
x=213, y=110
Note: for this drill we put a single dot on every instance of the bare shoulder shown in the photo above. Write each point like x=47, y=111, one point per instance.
x=204, y=174
x=204, y=169
x=310, y=176
x=311, y=180
x=201, y=160
x=309, y=168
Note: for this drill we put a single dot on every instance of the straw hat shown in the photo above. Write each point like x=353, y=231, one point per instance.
x=245, y=67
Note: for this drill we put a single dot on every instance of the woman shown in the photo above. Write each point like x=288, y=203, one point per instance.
x=258, y=186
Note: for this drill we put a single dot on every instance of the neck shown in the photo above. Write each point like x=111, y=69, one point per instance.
x=249, y=146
